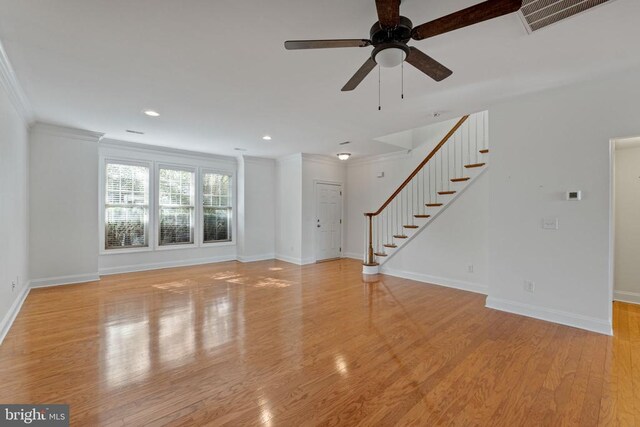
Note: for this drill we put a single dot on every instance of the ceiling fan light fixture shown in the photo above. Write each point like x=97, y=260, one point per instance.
x=344, y=156
x=390, y=57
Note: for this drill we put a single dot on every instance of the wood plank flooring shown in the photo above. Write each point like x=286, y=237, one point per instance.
x=272, y=344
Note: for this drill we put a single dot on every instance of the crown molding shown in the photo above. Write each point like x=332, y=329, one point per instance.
x=403, y=154
x=318, y=158
x=289, y=158
x=9, y=82
x=66, y=132
x=147, y=148
x=258, y=160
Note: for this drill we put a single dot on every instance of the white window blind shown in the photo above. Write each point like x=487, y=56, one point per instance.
x=176, y=201
x=126, y=206
x=216, y=207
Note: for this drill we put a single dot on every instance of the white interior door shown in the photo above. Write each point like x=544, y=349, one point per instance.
x=328, y=221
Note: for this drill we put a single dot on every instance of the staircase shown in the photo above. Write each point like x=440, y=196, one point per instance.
x=451, y=167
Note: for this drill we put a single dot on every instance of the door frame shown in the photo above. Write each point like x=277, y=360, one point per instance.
x=315, y=213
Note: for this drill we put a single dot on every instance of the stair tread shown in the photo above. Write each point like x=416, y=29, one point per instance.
x=466, y=178
x=485, y=151
x=475, y=165
x=433, y=205
x=390, y=245
x=422, y=216
x=410, y=226
x=400, y=236
x=380, y=254
x=446, y=193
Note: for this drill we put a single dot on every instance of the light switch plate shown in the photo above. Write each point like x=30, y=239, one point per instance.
x=550, y=224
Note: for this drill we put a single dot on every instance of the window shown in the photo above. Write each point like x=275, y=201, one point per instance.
x=176, y=202
x=126, y=206
x=216, y=207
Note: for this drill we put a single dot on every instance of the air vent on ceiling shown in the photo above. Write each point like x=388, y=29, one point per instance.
x=137, y=132
x=345, y=143
x=541, y=13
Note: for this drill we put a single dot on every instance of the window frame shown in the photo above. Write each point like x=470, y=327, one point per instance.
x=102, y=225
x=196, y=197
x=153, y=160
x=232, y=198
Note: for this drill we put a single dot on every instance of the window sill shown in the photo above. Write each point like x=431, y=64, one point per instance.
x=125, y=251
x=176, y=247
x=217, y=244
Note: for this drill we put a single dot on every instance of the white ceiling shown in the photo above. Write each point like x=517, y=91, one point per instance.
x=219, y=75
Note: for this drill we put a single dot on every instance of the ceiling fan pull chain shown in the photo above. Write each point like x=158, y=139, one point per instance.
x=379, y=84
x=402, y=80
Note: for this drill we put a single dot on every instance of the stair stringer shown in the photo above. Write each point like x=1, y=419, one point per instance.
x=441, y=210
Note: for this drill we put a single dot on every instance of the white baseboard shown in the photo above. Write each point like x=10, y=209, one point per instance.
x=440, y=281
x=353, y=255
x=551, y=315
x=10, y=317
x=167, y=264
x=627, y=296
x=254, y=258
x=293, y=260
x=64, y=280
x=289, y=259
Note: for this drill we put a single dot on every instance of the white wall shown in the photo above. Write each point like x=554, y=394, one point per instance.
x=14, y=210
x=314, y=169
x=162, y=257
x=289, y=209
x=627, y=224
x=256, y=208
x=454, y=243
x=543, y=145
x=63, y=182
x=295, y=203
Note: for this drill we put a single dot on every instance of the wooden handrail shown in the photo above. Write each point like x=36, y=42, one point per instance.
x=420, y=166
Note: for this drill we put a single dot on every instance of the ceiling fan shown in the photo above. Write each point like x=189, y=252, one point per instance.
x=389, y=37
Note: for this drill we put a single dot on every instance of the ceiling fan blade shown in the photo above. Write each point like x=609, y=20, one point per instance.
x=388, y=13
x=428, y=65
x=472, y=15
x=359, y=76
x=325, y=44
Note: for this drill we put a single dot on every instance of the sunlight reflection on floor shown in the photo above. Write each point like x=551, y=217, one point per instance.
x=270, y=282
x=176, y=287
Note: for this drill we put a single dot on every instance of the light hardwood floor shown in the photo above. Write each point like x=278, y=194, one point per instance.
x=272, y=344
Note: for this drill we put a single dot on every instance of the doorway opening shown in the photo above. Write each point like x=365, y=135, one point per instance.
x=626, y=220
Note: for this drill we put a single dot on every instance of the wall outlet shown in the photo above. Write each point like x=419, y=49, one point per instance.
x=470, y=268
x=13, y=285
x=529, y=286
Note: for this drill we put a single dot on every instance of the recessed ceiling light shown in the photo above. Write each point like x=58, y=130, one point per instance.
x=344, y=156
x=266, y=138
x=151, y=113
